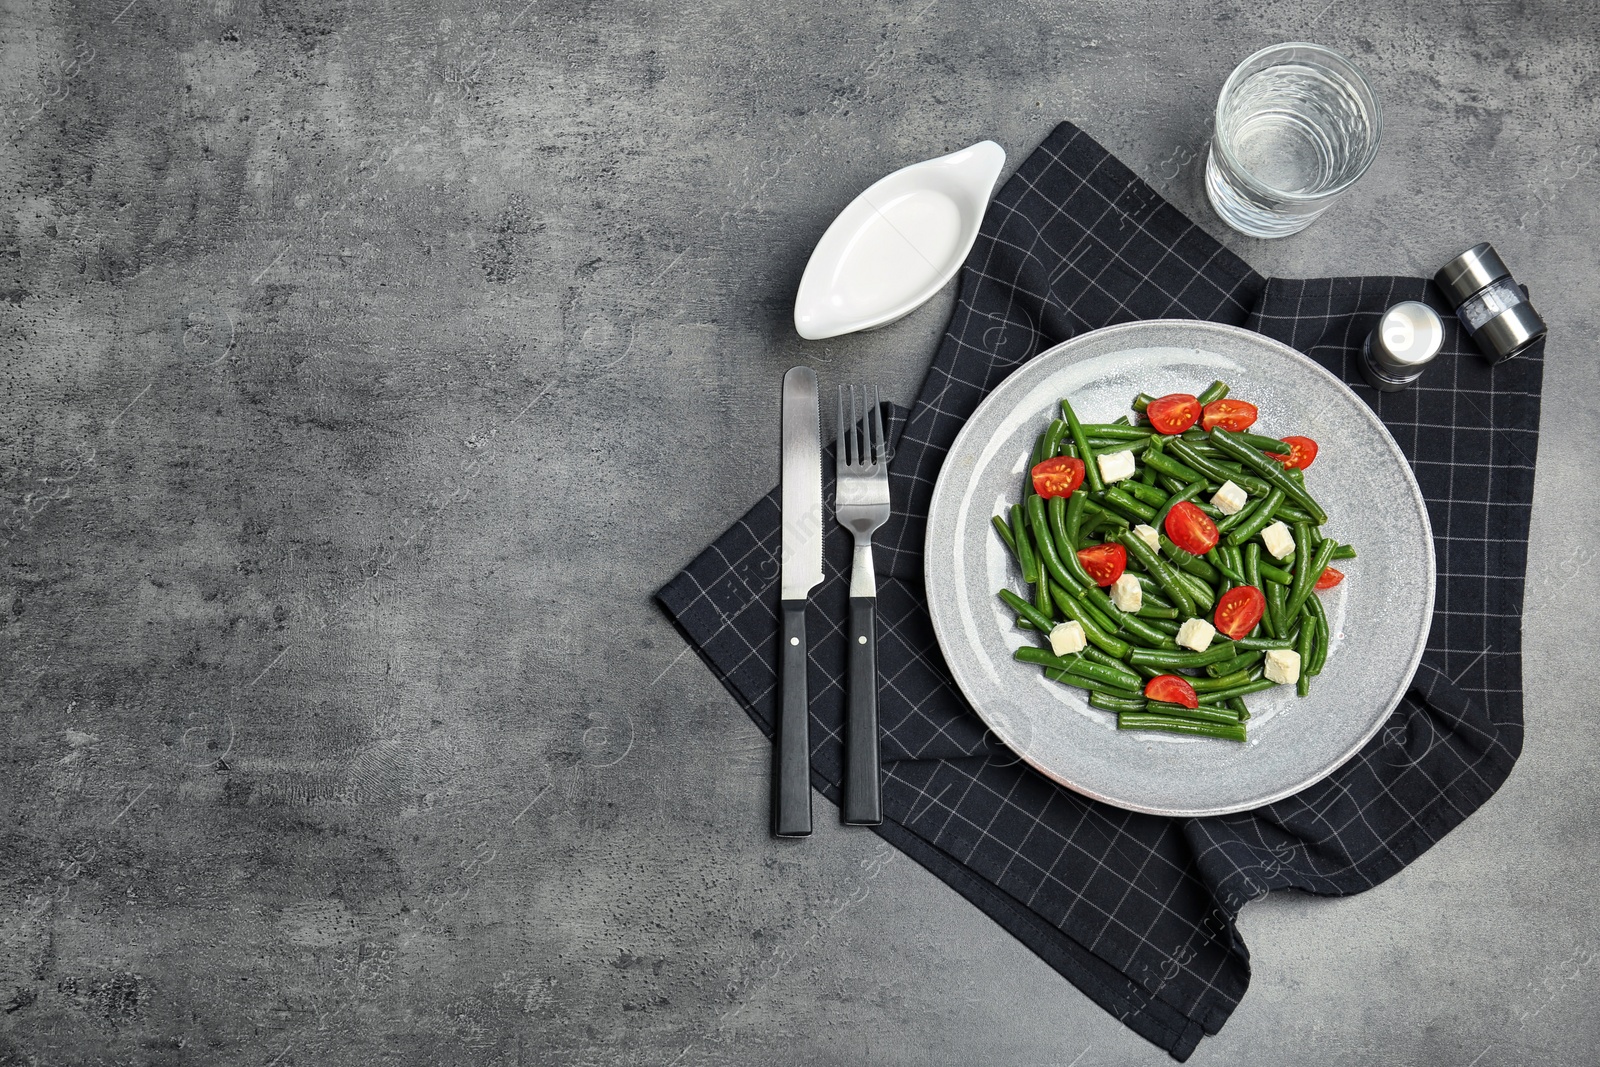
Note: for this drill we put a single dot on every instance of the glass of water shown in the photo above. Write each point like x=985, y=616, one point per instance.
x=1297, y=124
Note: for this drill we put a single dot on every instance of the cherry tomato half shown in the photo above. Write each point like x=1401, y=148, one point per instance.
x=1191, y=529
x=1172, y=688
x=1302, y=450
x=1058, y=476
x=1173, y=413
x=1236, y=416
x=1330, y=577
x=1105, y=563
x=1239, y=610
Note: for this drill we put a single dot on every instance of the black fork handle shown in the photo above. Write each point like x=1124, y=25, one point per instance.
x=863, y=802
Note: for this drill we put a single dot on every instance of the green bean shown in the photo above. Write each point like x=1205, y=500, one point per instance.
x=1046, y=545
x=1270, y=470
x=1091, y=469
x=1276, y=574
x=1244, y=514
x=1262, y=644
x=1145, y=494
x=1242, y=689
x=1089, y=533
x=1199, y=714
x=1121, y=502
x=1155, y=611
x=1105, y=701
x=1059, y=517
x=1109, y=445
x=1265, y=444
x=1147, y=657
x=1104, y=658
x=1025, y=556
x=1003, y=528
x=1151, y=590
x=1141, y=402
x=1073, y=608
x=1090, y=507
x=1204, y=596
x=1041, y=598
x=1290, y=513
x=1218, y=558
x=1073, y=519
x=1113, y=430
x=1084, y=681
x=1276, y=623
x=1148, y=475
x=1214, y=391
x=1185, y=451
x=1166, y=626
x=1237, y=704
x=1122, y=420
x=1026, y=610
x=1161, y=571
x=1344, y=552
x=1188, y=562
x=1259, y=518
x=1319, y=651
x=1251, y=556
x=1167, y=465
x=1053, y=435
x=1226, y=681
x=1137, y=630
x=1140, y=720
x=1302, y=572
x=1243, y=662
x=1319, y=563
x=1175, y=485
x=1306, y=646
x=1123, y=679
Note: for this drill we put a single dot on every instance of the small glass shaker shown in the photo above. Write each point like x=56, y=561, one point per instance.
x=1402, y=345
x=1489, y=302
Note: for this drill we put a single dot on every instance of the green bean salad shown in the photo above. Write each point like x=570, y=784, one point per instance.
x=1172, y=566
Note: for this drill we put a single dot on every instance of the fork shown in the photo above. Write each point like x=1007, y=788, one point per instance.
x=861, y=502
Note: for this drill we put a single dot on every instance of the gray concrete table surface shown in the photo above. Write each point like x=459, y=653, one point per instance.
x=369, y=365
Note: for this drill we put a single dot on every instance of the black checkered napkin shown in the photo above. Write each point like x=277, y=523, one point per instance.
x=1135, y=910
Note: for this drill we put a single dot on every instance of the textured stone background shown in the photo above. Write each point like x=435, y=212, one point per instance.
x=368, y=365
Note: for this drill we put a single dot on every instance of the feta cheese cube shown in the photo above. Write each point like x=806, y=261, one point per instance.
x=1127, y=594
x=1278, y=539
x=1149, y=536
x=1230, y=499
x=1067, y=638
x=1196, y=634
x=1283, y=666
x=1115, y=466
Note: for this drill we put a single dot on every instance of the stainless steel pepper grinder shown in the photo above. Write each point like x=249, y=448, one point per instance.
x=1490, y=303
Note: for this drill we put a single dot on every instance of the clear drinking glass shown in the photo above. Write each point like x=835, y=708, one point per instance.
x=1297, y=124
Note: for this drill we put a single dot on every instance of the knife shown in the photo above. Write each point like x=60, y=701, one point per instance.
x=802, y=570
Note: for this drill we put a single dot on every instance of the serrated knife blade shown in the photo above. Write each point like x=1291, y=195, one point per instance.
x=801, y=563
x=802, y=485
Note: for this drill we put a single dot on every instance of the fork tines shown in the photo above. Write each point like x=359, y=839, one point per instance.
x=861, y=441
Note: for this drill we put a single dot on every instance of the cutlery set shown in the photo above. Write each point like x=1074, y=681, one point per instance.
x=861, y=504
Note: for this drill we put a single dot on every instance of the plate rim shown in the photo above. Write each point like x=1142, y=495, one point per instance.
x=1199, y=326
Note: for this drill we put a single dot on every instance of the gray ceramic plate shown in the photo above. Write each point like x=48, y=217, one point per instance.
x=1379, y=615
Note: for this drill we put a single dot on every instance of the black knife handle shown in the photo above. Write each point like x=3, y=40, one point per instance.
x=791, y=783
x=863, y=803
